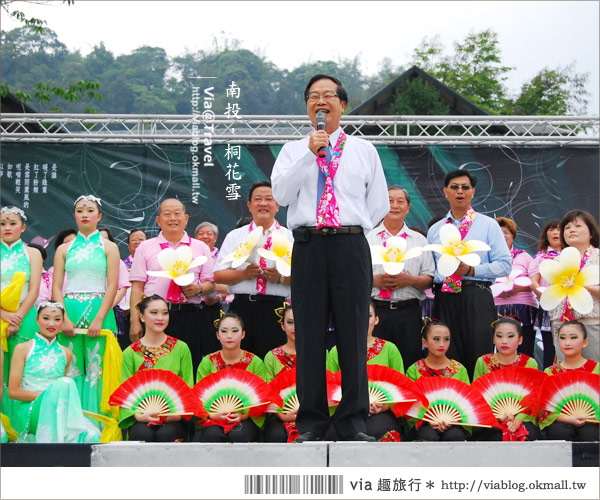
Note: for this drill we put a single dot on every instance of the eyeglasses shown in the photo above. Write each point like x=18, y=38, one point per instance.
x=456, y=187
x=315, y=97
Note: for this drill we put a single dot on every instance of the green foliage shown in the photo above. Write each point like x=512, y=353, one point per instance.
x=417, y=97
x=557, y=91
x=475, y=70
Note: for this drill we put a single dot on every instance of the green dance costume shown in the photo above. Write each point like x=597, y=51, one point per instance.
x=382, y=352
x=174, y=355
x=14, y=258
x=488, y=363
x=55, y=415
x=277, y=360
x=86, y=270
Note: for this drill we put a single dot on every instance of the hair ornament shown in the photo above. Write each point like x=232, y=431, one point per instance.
x=280, y=311
x=427, y=321
x=14, y=211
x=216, y=321
x=88, y=197
x=511, y=316
x=51, y=303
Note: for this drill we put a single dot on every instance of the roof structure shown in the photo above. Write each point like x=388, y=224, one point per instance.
x=380, y=102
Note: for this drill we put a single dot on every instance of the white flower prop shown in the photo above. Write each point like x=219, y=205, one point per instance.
x=509, y=282
x=454, y=250
x=568, y=281
x=176, y=265
x=281, y=252
x=393, y=254
x=244, y=249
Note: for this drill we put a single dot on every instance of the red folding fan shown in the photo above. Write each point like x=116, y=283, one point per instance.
x=284, y=384
x=511, y=390
x=156, y=391
x=573, y=393
x=235, y=390
x=451, y=402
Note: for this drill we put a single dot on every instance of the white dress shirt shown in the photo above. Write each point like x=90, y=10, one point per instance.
x=359, y=184
x=416, y=266
x=231, y=242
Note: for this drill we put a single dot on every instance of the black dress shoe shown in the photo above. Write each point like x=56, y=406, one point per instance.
x=307, y=436
x=361, y=436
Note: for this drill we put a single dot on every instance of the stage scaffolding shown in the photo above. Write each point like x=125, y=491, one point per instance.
x=277, y=129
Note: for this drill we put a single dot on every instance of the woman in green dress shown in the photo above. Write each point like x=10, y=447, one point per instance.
x=233, y=426
x=91, y=266
x=158, y=350
x=48, y=408
x=16, y=257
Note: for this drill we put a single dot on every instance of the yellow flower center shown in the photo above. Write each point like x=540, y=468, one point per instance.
x=459, y=248
x=179, y=267
x=568, y=281
x=394, y=255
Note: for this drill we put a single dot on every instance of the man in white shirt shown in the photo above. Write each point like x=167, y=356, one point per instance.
x=335, y=190
x=397, y=297
x=258, y=287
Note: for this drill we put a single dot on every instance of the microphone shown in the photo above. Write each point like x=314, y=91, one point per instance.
x=320, y=120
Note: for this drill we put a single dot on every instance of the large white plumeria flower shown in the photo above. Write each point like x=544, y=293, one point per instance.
x=509, y=282
x=177, y=265
x=281, y=252
x=568, y=281
x=453, y=250
x=393, y=255
x=244, y=249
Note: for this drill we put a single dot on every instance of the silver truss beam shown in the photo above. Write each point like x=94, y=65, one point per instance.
x=276, y=129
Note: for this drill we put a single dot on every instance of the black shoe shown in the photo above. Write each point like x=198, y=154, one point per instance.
x=361, y=436
x=307, y=436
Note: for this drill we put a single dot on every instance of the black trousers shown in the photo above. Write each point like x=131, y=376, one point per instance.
x=244, y=432
x=210, y=342
x=469, y=315
x=332, y=273
x=193, y=325
x=165, y=433
x=403, y=328
x=263, y=330
x=563, y=431
x=453, y=433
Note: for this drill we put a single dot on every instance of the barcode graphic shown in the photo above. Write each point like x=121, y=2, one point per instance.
x=294, y=484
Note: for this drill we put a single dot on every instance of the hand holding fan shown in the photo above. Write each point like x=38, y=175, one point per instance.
x=573, y=394
x=451, y=402
x=390, y=387
x=509, y=391
x=234, y=390
x=156, y=391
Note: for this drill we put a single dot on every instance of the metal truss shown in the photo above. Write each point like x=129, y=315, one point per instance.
x=276, y=129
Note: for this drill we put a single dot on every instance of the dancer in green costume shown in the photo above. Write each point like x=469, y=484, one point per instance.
x=17, y=257
x=48, y=408
x=91, y=265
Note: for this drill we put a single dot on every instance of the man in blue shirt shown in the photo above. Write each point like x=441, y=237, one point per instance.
x=464, y=301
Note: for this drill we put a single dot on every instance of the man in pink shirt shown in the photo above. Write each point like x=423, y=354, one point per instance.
x=187, y=319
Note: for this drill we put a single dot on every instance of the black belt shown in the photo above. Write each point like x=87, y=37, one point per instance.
x=255, y=297
x=184, y=306
x=335, y=230
x=437, y=287
x=396, y=304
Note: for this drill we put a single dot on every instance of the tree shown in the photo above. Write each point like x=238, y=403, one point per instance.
x=34, y=46
x=475, y=70
x=417, y=97
x=559, y=91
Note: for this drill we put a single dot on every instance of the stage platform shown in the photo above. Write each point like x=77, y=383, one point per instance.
x=320, y=454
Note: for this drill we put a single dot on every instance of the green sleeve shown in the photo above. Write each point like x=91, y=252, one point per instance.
x=257, y=367
x=128, y=367
x=272, y=366
x=395, y=358
x=531, y=363
x=480, y=369
x=548, y=371
x=596, y=370
x=333, y=363
x=186, y=369
x=205, y=368
x=463, y=375
x=412, y=372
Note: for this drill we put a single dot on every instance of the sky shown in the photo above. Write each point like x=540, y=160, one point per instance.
x=532, y=35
